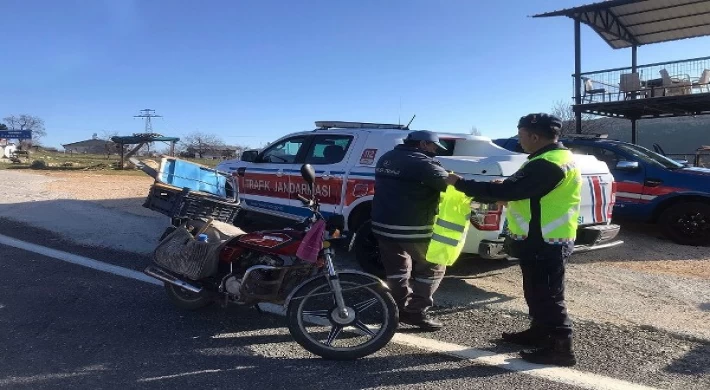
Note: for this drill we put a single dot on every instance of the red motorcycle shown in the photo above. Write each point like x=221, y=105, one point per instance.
x=340, y=315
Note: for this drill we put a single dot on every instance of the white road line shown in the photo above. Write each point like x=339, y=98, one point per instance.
x=158, y=378
x=505, y=361
x=513, y=363
x=78, y=260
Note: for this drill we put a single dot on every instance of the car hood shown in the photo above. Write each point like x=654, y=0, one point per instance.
x=695, y=171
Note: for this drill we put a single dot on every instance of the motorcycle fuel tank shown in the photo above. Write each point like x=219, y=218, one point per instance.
x=280, y=242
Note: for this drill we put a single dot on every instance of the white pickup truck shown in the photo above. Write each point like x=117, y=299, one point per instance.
x=344, y=155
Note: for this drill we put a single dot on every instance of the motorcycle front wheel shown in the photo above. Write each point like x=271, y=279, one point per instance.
x=315, y=324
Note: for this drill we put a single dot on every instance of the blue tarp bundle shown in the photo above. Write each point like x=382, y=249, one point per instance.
x=185, y=174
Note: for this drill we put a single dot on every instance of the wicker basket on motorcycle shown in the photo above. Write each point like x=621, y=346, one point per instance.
x=181, y=253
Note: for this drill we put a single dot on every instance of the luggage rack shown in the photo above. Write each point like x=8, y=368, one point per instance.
x=325, y=125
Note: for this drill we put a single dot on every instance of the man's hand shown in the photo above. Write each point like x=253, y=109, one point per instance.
x=452, y=179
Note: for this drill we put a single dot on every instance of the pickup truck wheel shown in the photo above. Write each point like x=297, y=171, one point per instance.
x=241, y=219
x=687, y=223
x=367, y=250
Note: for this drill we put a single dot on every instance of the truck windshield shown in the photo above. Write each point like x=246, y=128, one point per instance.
x=650, y=157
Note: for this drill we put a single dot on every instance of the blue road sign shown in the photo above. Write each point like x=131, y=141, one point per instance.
x=16, y=134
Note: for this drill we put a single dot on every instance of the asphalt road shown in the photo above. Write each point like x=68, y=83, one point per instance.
x=67, y=326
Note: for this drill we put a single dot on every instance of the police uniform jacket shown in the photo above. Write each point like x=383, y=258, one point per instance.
x=408, y=183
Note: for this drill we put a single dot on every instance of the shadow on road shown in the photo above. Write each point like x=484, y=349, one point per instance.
x=695, y=362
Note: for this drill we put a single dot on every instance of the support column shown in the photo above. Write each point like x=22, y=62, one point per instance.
x=634, y=67
x=121, y=167
x=577, y=75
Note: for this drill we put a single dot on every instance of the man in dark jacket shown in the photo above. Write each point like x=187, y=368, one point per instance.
x=408, y=182
x=543, y=207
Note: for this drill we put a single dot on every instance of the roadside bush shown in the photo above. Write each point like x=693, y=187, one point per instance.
x=38, y=164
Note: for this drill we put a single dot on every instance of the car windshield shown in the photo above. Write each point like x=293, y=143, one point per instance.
x=648, y=156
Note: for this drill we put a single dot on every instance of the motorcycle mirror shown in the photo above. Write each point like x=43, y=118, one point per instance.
x=308, y=174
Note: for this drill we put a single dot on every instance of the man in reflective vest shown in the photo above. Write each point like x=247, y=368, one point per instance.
x=543, y=207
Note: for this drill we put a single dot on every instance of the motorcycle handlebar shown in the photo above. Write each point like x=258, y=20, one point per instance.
x=303, y=198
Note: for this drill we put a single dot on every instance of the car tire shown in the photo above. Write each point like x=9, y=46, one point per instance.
x=242, y=220
x=367, y=250
x=687, y=223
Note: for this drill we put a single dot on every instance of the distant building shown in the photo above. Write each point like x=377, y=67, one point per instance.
x=216, y=153
x=7, y=150
x=91, y=146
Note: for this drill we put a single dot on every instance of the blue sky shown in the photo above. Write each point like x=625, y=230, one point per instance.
x=251, y=71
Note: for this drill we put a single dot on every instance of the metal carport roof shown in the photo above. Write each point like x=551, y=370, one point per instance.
x=627, y=23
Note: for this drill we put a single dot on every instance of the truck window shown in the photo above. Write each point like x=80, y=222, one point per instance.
x=284, y=152
x=449, y=145
x=328, y=149
x=649, y=157
x=602, y=154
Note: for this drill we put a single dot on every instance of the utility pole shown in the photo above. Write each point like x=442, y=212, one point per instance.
x=147, y=114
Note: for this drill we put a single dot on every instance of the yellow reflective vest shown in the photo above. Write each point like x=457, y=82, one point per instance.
x=450, y=227
x=559, y=209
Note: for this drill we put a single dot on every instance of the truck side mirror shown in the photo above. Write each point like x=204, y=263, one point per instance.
x=249, y=156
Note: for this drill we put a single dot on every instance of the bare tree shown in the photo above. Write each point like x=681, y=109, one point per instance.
x=108, y=134
x=199, y=143
x=590, y=123
x=475, y=131
x=27, y=122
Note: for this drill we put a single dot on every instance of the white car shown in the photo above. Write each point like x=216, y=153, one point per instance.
x=344, y=155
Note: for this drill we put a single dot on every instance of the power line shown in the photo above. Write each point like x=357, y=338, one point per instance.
x=147, y=113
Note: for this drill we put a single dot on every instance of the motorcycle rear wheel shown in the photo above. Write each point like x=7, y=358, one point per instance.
x=187, y=300
x=367, y=300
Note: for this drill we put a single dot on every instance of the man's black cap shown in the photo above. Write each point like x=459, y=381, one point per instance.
x=423, y=135
x=542, y=123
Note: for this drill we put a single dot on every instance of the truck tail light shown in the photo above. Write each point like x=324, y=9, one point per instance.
x=486, y=216
x=612, y=200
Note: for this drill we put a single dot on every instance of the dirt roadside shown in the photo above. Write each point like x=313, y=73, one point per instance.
x=647, y=281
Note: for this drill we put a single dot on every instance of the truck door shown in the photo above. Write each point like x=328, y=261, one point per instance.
x=329, y=155
x=265, y=184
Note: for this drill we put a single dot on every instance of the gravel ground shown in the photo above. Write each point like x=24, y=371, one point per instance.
x=646, y=282
x=88, y=208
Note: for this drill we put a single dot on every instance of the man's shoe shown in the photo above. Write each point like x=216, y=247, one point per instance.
x=558, y=352
x=534, y=337
x=420, y=319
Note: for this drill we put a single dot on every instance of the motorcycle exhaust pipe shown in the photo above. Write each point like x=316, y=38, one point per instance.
x=166, y=277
